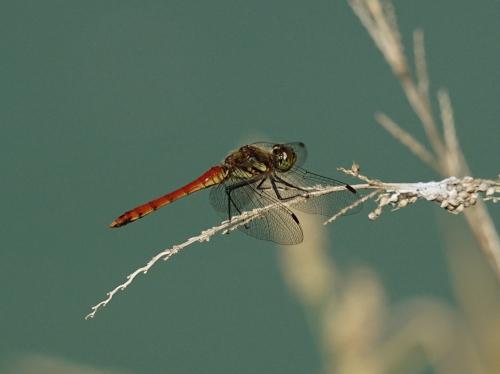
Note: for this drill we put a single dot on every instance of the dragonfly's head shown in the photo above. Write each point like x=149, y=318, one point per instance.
x=284, y=157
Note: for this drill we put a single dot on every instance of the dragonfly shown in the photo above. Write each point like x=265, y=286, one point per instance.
x=255, y=176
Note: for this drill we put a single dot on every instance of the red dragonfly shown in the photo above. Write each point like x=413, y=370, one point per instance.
x=254, y=176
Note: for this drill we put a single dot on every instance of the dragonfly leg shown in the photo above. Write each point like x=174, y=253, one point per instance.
x=276, y=191
x=231, y=188
x=277, y=179
x=261, y=183
x=282, y=181
x=230, y=202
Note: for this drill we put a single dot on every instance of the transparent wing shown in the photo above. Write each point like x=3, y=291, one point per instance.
x=325, y=205
x=278, y=225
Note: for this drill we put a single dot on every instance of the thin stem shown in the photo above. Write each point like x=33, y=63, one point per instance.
x=452, y=194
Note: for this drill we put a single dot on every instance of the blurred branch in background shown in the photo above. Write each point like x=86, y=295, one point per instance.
x=33, y=363
x=445, y=156
x=356, y=329
x=358, y=332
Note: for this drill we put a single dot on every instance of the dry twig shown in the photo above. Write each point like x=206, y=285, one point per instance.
x=452, y=194
x=446, y=157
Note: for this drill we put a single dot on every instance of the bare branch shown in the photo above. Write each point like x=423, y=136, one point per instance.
x=166, y=254
x=450, y=135
x=375, y=15
x=420, y=63
x=378, y=19
x=453, y=194
x=484, y=231
x=407, y=139
x=357, y=203
x=383, y=29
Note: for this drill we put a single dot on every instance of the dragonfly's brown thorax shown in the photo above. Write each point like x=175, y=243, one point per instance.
x=251, y=160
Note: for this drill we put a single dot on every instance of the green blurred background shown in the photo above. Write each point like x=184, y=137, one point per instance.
x=106, y=104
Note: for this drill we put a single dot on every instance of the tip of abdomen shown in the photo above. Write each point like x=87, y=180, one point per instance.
x=124, y=219
x=132, y=215
x=115, y=223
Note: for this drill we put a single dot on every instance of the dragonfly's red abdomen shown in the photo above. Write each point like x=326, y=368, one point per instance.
x=214, y=175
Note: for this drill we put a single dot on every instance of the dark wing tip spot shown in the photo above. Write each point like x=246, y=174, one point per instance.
x=295, y=218
x=350, y=188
